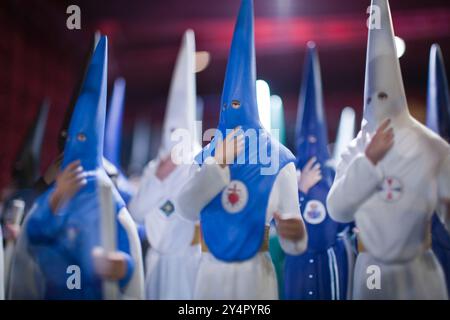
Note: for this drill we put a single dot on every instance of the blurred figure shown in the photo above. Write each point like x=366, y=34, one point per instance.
x=113, y=141
x=438, y=120
x=390, y=181
x=174, y=253
x=321, y=273
x=63, y=228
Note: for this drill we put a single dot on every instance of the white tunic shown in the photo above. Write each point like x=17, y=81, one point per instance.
x=171, y=261
x=392, y=204
x=254, y=278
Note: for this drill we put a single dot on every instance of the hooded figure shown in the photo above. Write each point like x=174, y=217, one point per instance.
x=26, y=170
x=113, y=141
x=67, y=237
x=391, y=181
x=236, y=202
x=438, y=120
x=321, y=272
x=174, y=253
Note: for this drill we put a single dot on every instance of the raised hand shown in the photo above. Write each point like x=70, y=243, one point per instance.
x=53, y=170
x=310, y=175
x=381, y=143
x=68, y=182
x=228, y=149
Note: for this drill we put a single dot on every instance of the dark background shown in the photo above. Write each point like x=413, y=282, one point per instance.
x=40, y=57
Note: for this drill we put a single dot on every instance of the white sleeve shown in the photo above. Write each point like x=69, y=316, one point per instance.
x=444, y=193
x=286, y=189
x=203, y=185
x=136, y=208
x=355, y=181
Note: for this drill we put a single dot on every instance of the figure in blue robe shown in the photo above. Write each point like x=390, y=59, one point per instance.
x=438, y=120
x=64, y=240
x=321, y=272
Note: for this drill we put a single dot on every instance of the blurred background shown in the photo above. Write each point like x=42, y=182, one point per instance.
x=40, y=57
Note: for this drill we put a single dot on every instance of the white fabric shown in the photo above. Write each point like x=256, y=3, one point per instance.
x=182, y=101
x=135, y=287
x=393, y=232
x=254, y=278
x=393, y=201
x=384, y=93
x=26, y=280
x=171, y=262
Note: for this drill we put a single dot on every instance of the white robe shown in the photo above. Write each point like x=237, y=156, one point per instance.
x=393, y=221
x=254, y=278
x=171, y=260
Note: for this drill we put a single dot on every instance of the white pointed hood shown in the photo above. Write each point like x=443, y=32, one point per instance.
x=181, y=105
x=384, y=93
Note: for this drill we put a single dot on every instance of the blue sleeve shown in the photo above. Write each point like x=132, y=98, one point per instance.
x=43, y=225
x=124, y=247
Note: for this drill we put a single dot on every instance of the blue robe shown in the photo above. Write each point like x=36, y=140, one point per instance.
x=67, y=238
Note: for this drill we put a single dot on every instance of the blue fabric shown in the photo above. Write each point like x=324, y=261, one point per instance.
x=317, y=275
x=113, y=138
x=438, y=120
x=441, y=247
x=238, y=236
x=124, y=187
x=113, y=133
x=88, y=118
x=67, y=237
x=312, y=141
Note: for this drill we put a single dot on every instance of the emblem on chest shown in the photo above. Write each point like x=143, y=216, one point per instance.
x=167, y=208
x=315, y=212
x=234, y=197
x=391, y=189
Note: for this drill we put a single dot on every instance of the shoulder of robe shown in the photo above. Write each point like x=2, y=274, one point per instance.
x=432, y=142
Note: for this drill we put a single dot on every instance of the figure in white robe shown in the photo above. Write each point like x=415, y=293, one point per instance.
x=174, y=253
x=391, y=180
x=236, y=201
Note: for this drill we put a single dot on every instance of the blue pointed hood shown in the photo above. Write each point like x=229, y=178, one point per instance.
x=438, y=104
x=27, y=163
x=311, y=130
x=238, y=105
x=87, y=125
x=114, y=121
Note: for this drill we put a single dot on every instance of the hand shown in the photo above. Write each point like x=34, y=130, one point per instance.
x=381, y=143
x=165, y=168
x=109, y=266
x=12, y=231
x=68, y=183
x=289, y=228
x=309, y=176
x=53, y=170
x=228, y=149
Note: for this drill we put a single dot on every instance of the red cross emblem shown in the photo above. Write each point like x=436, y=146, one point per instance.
x=235, y=197
x=391, y=189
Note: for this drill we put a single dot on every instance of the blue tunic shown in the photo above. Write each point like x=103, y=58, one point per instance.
x=67, y=239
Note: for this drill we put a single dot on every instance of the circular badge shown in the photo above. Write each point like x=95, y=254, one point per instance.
x=391, y=189
x=234, y=197
x=315, y=212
